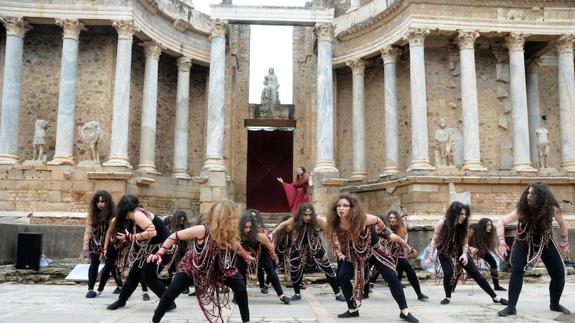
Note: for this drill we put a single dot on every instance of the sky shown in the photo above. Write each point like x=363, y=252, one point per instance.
x=271, y=46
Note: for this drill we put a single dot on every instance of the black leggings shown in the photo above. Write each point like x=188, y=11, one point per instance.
x=297, y=276
x=494, y=271
x=553, y=263
x=181, y=281
x=471, y=270
x=93, y=270
x=110, y=268
x=345, y=273
x=268, y=265
x=403, y=265
x=148, y=274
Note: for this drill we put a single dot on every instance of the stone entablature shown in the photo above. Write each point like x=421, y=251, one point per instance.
x=296, y=16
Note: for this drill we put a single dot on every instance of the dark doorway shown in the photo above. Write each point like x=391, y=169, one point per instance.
x=270, y=155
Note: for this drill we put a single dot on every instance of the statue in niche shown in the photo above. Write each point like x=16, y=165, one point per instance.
x=270, y=95
x=542, y=146
x=39, y=142
x=91, y=134
x=444, y=145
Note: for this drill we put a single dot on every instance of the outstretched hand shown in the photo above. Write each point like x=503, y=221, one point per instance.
x=280, y=179
x=503, y=249
x=155, y=257
x=463, y=259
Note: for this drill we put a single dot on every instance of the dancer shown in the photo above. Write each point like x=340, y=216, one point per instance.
x=350, y=232
x=178, y=221
x=306, y=249
x=483, y=241
x=146, y=232
x=450, y=239
x=533, y=242
x=208, y=264
x=296, y=192
x=97, y=222
x=263, y=281
x=397, y=225
x=260, y=247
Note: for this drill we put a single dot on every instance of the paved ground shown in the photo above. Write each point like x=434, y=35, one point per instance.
x=63, y=304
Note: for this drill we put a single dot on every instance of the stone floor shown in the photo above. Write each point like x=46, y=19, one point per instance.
x=63, y=304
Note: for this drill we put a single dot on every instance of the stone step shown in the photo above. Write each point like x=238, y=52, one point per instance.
x=271, y=219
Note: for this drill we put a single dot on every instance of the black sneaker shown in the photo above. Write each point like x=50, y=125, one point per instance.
x=192, y=293
x=507, y=311
x=559, y=308
x=445, y=301
x=408, y=317
x=186, y=291
x=501, y=301
x=264, y=290
x=91, y=294
x=422, y=297
x=347, y=314
x=116, y=305
x=171, y=307
x=365, y=295
x=499, y=288
x=146, y=297
x=285, y=299
x=117, y=290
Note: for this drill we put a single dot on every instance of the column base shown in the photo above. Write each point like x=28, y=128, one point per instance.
x=8, y=159
x=148, y=168
x=389, y=171
x=214, y=164
x=473, y=165
x=60, y=160
x=523, y=167
x=420, y=165
x=568, y=166
x=180, y=174
x=358, y=176
x=326, y=167
x=117, y=161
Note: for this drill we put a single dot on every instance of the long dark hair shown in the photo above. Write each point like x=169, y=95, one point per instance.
x=451, y=229
x=482, y=239
x=257, y=217
x=399, y=228
x=356, y=217
x=251, y=237
x=300, y=179
x=540, y=215
x=128, y=203
x=103, y=216
x=179, y=221
x=298, y=218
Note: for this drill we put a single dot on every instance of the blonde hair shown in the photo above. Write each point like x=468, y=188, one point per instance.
x=220, y=220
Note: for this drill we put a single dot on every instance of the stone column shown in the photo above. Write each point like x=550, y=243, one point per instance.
x=521, y=156
x=354, y=4
x=67, y=97
x=216, y=109
x=359, y=170
x=419, y=136
x=180, y=163
x=324, y=109
x=147, y=164
x=121, y=101
x=16, y=28
x=471, y=153
x=566, y=82
x=390, y=55
x=533, y=108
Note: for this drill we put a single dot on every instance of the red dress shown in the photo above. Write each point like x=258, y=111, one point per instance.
x=296, y=193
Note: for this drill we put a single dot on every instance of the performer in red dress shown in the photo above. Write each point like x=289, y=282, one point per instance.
x=296, y=192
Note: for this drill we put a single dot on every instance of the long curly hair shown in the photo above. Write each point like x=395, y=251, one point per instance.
x=251, y=237
x=482, y=239
x=298, y=218
x=356, y=217
x=219, y=219
x=256, y=214
x=179, y=221
x=451, y=229
x=280, y=235
x=103, y=216
x=128, y=203
x=540, y=215
x=399, y=228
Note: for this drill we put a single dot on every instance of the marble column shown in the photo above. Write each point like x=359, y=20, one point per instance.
x=390, y=55
x=419, y=135
x=518, y=93
x=359, y=170
x=533, y=108
x=566, y=81
x=471, y=143
x=354, y=4
x=324, y=103
x=147, y=163
x=180, y=163
x=64, y=154
x=216, y=109
x=16, y=28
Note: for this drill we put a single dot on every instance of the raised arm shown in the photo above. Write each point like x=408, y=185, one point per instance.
x=372, y=219
x=195, y=232
x=564, y=244
x=504, y=220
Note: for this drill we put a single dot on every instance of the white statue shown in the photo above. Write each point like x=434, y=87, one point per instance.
x=444, y=145
x=91, y=134
x=270, y=94
x=40, y=139
x=542, y=145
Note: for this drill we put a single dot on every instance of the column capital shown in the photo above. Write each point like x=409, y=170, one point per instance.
x=324, y=31
x=72, y=27
x=390, y=54
x=357, y=66
x=152, y=49
x=466, y=39
x=218, y=28
x=125, y=28
x=515, y=41
x=15, y=26
x=184, y=64
x=416, y=36
x=565, y=43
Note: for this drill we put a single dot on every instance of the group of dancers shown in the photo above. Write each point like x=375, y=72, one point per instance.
x=226, y=247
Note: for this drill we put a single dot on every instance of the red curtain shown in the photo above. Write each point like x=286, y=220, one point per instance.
x=270, y=155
